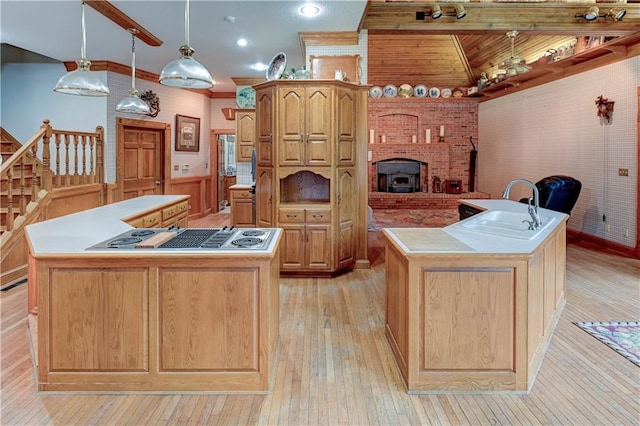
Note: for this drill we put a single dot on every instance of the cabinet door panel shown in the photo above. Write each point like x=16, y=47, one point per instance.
x=245, y=134
x=292, y=247
x=265, y=188
x=318, y=126
x=346, y=127
x=265, y=127
x=291, y=127
x=318, y=247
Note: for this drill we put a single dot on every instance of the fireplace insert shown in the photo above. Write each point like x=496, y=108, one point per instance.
x=398, y=175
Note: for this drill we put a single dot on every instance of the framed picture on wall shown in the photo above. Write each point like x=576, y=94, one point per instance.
x=187, y=133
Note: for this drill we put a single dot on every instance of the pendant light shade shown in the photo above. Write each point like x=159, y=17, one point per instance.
x=133, y=104
x=186, y=72
x=82, y=81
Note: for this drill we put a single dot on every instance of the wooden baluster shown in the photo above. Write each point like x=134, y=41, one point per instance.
x=83, y=177
x=100, y=155
x=75, y=159
x=57, y=177
x=10, y=199
x=92, y=174
x=37, y=174
x=23, y=183
x=67, y=176
x=46, y=156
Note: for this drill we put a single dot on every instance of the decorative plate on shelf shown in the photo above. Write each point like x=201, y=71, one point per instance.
x=390, y=91
x=434, y=92
x=420, y=91
x=458, y=92
x=375, y=92
x=405, y=91
x=446, y=92
x=276, y=66
x=246, y=98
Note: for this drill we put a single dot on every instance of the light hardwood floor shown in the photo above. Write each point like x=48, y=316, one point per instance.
x=335, y=366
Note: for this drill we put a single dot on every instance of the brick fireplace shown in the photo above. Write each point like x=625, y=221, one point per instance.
x=398, y=129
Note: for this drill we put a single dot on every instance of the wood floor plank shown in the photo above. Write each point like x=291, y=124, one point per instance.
x=334, y=365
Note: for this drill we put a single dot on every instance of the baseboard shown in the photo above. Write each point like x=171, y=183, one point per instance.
x=601, y=244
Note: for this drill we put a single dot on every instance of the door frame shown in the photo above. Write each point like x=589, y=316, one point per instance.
x=213, y=161
x=638, y=181
x=165, y=167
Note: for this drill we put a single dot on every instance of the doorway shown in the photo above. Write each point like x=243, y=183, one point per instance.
x=223, y=173
x=141, y=166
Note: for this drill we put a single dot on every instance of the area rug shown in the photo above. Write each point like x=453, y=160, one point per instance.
x=622, y=337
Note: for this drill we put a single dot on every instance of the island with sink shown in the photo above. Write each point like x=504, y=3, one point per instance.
x=121, y=308
x=472, y=307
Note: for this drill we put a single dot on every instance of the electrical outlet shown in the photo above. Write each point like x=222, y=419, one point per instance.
x=176, y=167
x=623, y=172
x=626, y=233
x=607, y=227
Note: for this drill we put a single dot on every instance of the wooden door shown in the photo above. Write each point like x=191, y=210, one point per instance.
x=265, y=191
x=142, y=170
x=346, y=127
x=318, y=247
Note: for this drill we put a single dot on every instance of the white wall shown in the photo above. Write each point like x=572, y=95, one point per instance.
x=554, y=129
x=28, y=98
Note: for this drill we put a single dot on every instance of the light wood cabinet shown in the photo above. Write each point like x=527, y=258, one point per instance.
x=165, y=216
x=306, y=243
x=308, y=157
x=304, y=125
x=242, y=207
x=245, y=134
x=473, y=321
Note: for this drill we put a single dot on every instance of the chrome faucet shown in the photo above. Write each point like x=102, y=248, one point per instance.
x=532, y=209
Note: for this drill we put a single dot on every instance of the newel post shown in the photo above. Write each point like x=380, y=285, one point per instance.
x=100, y=154
x=46, y=155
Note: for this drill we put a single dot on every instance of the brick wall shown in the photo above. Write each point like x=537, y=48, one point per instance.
x=401, y=121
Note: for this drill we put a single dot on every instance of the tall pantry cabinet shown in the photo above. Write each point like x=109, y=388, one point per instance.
x=311, y=174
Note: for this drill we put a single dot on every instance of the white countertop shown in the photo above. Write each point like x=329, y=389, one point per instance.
x=241, y=186
x=73, y=233
x=456, y=239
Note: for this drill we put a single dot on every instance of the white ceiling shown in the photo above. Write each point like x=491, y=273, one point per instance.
x=52, y=28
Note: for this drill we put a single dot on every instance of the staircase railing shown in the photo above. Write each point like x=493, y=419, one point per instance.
x=78, y=160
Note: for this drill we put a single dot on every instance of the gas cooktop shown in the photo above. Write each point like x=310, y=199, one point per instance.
x=189, y=239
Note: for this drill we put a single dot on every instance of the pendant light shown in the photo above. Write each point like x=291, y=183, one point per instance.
x=133, y=104
x=186, y=72
x=82, y=81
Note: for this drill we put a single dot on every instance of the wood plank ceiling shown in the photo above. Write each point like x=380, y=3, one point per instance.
x=448, y=52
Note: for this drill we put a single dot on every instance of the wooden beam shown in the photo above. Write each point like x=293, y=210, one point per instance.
x=121, y=19
x=538, y=18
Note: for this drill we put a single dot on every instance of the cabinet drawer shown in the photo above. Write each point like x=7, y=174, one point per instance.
x=152, y=220
x=291, y=216
x=169, y=213
x=240, y=194
x=182, y=207
x=317, y=216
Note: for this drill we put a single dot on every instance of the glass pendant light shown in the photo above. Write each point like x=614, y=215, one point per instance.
x=82, y=81
x=186, y=72
x=133, y=104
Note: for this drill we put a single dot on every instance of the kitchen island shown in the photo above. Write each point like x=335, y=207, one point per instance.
x=137, y=319
x=470, y=311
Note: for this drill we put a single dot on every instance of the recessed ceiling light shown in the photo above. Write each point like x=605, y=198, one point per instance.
x=259, y=66
x=309, y=10
x=242, y=42
x=230, y=19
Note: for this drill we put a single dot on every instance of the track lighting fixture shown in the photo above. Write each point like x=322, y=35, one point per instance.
x=617, y=14
x=436, y=11
x=593, y=13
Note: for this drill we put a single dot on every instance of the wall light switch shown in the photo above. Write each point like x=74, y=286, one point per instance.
x=185, y=167
x=623, y=172
x=176, y=167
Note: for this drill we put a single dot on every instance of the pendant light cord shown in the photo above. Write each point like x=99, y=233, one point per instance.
x=133, y=59
x=186, y=23
x=83, y=47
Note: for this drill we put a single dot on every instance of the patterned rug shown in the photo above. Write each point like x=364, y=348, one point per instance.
x=622, y=337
